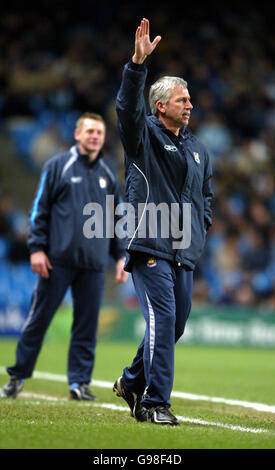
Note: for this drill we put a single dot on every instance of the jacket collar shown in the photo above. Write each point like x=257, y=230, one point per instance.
x=85, y=157
x=184, y=132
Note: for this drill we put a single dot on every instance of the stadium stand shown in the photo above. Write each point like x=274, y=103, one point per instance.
x=56, y=66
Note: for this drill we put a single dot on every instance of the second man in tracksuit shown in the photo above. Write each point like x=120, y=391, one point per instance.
x=63, y=256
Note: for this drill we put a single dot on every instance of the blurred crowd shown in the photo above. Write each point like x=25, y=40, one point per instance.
x=57, y=63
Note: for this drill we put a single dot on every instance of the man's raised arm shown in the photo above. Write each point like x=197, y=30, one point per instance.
x=130, y=104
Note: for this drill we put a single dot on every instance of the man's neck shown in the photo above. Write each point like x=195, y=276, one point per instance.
x=169, y=125
x=92, y=156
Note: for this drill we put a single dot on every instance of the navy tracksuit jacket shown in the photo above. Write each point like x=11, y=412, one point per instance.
x=69, y=182
x=160, y=167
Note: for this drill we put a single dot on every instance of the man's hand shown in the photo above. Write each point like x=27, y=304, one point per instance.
x=40, y=263
x=143, y=45
x=121, y=275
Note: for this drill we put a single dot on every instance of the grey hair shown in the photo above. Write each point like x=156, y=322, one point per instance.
x=161, y=90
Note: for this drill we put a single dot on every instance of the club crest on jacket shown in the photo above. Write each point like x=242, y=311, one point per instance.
x=102, y=182
x=196, y=157
x=151, y=263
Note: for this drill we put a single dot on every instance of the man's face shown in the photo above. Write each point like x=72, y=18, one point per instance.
x=90, y=136
x=178, y=109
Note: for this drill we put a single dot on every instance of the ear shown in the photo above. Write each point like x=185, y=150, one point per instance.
x=160, y=107
x=76, y=134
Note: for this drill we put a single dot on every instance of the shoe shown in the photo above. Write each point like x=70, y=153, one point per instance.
x=12, y=388
x=132, y=399
x=81, y=392
x=141, y=413
x=162, y=415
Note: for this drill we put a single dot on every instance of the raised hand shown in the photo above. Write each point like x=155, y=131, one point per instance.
x=143, y=45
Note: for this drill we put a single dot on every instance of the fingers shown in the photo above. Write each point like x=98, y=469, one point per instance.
x=48, y=263
x=40, y=263
x=143, y=26
x=124, y=277
x=142, y=29
x=146, y=26
x=143, y=45
x=121, y=277
x=138, y=33
x=40, y=268
x=156, y=41
x=119, y=271
x=44, y=272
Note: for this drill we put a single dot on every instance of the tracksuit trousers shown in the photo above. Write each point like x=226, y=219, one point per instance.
x=164, y=291
x=87, y=293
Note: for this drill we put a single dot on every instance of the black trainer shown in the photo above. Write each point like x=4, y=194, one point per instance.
x=132, y=399
x=81, y=392
x=12, y=388
x=162, y=415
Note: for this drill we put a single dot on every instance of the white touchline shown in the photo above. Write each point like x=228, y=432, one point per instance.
x=185, y=396
x=111, y=406
x=226, y=401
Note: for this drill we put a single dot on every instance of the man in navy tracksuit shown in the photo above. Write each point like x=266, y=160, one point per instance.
x=164, y=163
x=63, y=256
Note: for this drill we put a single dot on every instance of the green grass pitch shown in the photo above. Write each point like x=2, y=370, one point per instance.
x=43, y=417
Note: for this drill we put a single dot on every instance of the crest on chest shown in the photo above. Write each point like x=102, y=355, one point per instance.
x=196, y=157
x=102, y=182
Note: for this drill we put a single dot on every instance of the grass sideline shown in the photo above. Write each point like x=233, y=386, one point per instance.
x=242, y=374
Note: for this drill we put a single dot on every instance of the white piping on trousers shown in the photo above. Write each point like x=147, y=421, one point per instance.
x=33, y=305
x=152, y=331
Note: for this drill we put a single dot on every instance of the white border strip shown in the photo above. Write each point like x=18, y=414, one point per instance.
x=226, y=401
x=71, y=160
x=185, y=396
